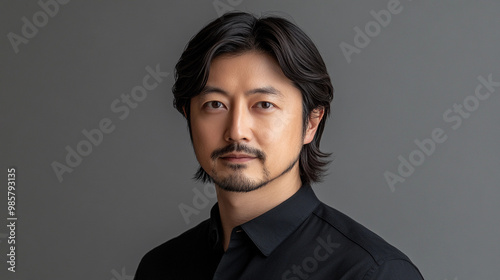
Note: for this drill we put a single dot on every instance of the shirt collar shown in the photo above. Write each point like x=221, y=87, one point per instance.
x=270, y=229
x=215, y=227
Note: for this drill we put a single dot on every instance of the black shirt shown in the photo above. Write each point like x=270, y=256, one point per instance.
x=301, y=238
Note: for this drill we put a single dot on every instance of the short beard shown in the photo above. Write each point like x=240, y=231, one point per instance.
x=240, y=183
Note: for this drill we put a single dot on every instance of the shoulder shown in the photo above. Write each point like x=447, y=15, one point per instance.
x=356, y=235
x=380, y=259
x=175, y=253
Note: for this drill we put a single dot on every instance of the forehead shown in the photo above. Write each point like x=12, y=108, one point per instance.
x=247, y=71
x=259, y=58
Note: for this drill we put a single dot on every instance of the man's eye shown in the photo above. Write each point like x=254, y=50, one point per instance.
x=265, y=105
x=214, y=105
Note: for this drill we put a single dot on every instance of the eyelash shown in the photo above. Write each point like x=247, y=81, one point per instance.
x=209, y=103
x=271, y=105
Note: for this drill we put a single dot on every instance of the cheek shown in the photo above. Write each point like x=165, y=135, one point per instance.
x=205, y=138
x=282, y=133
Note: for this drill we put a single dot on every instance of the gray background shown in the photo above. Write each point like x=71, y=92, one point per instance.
x=123, y=198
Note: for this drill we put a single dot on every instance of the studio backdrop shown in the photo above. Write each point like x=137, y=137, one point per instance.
x=97, y=165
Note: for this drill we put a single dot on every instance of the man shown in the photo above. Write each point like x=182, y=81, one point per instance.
x=256, y=94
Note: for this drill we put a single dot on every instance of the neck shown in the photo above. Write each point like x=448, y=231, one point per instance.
x=237, y=208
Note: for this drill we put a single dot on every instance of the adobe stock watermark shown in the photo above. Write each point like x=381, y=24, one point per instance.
x=122, y=276
x=222, y=7
x=200, y=201
x=121, y=108
x=310, y=264
x=453, y=116
x=29, y=30
x=373, y=28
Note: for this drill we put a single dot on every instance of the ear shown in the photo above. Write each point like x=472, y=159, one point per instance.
x=315, y=118
x=184, y=110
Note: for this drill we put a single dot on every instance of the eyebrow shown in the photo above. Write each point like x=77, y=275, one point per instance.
x=265, y=90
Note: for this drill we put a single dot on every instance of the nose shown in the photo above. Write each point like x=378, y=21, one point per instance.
x=238, y=125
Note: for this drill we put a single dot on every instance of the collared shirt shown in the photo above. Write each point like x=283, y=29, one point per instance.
x=301, y=238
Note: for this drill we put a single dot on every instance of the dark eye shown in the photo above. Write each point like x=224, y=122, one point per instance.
x=265, y=105
x=214, y=104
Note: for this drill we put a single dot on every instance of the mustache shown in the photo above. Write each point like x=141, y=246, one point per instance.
x=235, y=147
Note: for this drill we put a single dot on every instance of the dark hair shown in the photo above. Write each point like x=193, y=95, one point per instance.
x=300, y=61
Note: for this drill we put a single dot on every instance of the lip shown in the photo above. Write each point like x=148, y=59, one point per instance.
x=237, y=158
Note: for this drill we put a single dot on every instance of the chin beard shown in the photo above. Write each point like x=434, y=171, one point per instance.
x=241, y=183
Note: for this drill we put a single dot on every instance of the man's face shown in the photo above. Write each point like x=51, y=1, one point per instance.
x=247, y=123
